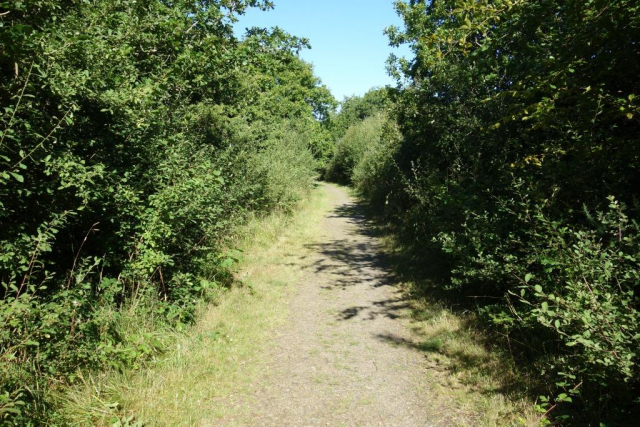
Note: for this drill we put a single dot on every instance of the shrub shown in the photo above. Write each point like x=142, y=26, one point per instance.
x=351, y=148
x=516, y=158
x=133, y=142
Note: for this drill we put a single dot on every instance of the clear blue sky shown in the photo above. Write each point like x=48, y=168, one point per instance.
x=348, y=47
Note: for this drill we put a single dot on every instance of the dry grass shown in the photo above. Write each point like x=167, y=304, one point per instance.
x=474, y=382
x=478, y=383
x=217, y=356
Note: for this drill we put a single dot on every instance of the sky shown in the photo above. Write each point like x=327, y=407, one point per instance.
x=348, y=47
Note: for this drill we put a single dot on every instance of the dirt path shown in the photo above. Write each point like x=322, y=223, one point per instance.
x=336, y=361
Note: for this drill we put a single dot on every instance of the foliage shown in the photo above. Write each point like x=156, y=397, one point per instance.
x=135, y=135
x=351, y=148
x=355, y=128
x=517, y=159
x=357, y=108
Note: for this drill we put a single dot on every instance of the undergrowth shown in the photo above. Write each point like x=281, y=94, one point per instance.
x=190, y=383
x=135, y=137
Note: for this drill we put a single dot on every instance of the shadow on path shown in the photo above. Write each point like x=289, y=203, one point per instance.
x=453, y=341
x=357, y=260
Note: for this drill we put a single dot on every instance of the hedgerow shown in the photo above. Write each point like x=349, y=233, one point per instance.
x=517, y=160
x=135, y=136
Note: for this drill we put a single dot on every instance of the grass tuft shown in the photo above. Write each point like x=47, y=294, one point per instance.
x=219, y=356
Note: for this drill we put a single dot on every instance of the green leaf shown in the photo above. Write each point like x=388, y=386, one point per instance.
x=17, y=176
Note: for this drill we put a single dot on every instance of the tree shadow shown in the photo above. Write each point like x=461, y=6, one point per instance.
x=393, y=308
x=356, y=257
x=444, y=329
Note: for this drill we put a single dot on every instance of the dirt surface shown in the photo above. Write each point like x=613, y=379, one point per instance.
x=338, y=361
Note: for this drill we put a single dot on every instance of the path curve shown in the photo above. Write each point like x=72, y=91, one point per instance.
x=337, y=362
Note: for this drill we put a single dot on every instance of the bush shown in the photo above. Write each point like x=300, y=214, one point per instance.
x=376, y=165
x=284, y=169
x=516, y=158
x=135, y=137
x=351, y=148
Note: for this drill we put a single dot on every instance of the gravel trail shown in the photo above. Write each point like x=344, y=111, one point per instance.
x=339, y=360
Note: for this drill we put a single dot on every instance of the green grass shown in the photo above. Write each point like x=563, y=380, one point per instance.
x=478, y=381
x=473, y=384
x=475, y=381
x=219, y=356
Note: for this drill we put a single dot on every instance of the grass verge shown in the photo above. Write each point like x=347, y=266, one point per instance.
x=475, y=382
x=218, y=356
